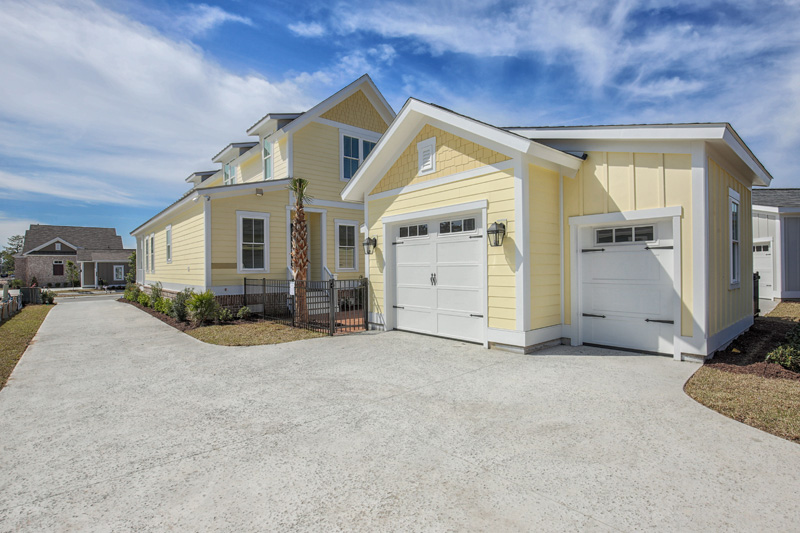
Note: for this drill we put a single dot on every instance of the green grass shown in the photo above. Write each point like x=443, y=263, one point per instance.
x=251, y=334
x=16, y=334
x=772, y=405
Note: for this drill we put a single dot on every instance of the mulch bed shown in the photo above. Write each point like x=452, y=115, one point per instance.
x=746, y=354
x=177, y=324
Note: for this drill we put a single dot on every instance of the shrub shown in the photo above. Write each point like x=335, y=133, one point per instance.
x=144, y=299
x=244, y=313
x=786, y=355
x=202, y=307
x=224, y=314
x=34, y=282
x=57, y=285
x=155, y=291
x=48, y=297
x=132, y=292
x=163, y=305
x=49, y=284
x=16, y=284
x=179, y=311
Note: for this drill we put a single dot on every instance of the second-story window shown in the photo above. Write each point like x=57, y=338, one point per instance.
x=228, y=174
x=267, y=159
x=355, y=149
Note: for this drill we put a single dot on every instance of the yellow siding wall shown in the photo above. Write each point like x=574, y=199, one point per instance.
x=280, y=163
x=356, y=110
x=212, y=182
x=453, y=154
x=622, y=181
x=498, y=189
x=224, y=236
x=316, y=158
x=727, y=305
x=251, y=169
x=188, y=249
x=545, y=246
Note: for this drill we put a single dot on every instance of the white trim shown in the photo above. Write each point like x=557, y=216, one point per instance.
x=115, y=272
x=718, y=340
x=207, y=240
x=700, y=247
x=168, y=243
x=436, y=212
x=356, y=243
x=323, y=231
x=522, y=244
x=331, y=203
x=429, y=145
x=366, y=235
x=761, y=240
x=354, y=131
x=780, y=210
x=561, y=243
x=290, y=155
x=525, y=339
x=240, y=215
x=624, y=216
x=444, y=180
x=48, y=243
x=677, y=303
x=177, y=287
x=152, y=255
x=735, y=276
x=263, y=142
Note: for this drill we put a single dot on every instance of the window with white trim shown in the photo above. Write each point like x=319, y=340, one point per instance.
x=426, y=156
x=152, y=252
x=457, y=226
x=735, y=229
x=119, y=272
x=228, y=174
x=169, y=243
x=253, y=241
x=58, y=247
x=346, y=245
x=267, y=156
x=147, y=254
x=355, y=149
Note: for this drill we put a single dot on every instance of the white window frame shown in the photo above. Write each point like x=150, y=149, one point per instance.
x=168, y=236
x=735, y=270
x=146, y=253
x=356, y=244
x=152, y=252
x=422, y=147
x=229, y=173
x=239, y=265
x=122, y=278
x=268, y=164
x=58, y=247
x=362, y=136
x=633, y=234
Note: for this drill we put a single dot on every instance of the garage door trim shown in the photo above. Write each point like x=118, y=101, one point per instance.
x=578, y=223
x=479, y=208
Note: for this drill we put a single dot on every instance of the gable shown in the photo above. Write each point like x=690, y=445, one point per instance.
x=356, y=110
x=454, y=154
x=50, y=248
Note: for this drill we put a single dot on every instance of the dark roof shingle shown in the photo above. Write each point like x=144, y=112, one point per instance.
x=777, y=197
x=83, y=237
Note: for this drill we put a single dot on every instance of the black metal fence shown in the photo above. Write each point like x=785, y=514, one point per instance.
x=756, y=308
x=332, y=307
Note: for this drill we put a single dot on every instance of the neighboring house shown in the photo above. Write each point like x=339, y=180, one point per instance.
x=776, y=242
x=97, y=253
x=235, y=222
x=635, y=237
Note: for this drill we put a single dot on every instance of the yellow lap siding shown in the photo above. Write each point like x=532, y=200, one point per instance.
x=545, y=247
x=623, y=181
x=251, y=170
x=495, y=187
x=280, y=159
x=316, y=158
x=356, y=215
x=728, y=305
x=188, y=249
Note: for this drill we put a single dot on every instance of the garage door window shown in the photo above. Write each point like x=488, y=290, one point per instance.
x=761, y=248
x=625, y=235
x=457, y=226
x=416, y=230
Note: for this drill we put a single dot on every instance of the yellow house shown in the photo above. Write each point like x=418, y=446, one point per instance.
x=235, y=221
x=637, y=237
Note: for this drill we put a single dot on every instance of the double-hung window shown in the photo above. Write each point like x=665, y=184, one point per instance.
x=267, y=153
x=147, y=254
x=346, y=246
x=228, y=174
x=169, y=244
x=152, y=252
x=253, y=245
x=355, y=149
x=119, y=272
x=735, y=229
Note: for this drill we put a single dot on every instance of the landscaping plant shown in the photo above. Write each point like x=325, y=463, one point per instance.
x=144, y=299
x=244, y=313
x=299, y=187
x=163, y=305
x=224, y=315
x=72, y=274
x=48, y=297
x=179, y=310
x=132, y=292
x=788, y=355
x=202, y=307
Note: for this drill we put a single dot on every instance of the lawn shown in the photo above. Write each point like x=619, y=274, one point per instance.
x=738, y=382
x=16, y=334
x=251, y=334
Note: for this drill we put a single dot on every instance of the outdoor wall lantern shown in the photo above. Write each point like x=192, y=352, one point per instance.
x=369, y=245
x=496, y=233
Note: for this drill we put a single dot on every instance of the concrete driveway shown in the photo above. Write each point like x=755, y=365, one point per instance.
x=115, y=421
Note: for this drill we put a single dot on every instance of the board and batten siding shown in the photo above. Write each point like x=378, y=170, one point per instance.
x=610, y=182
x=728, y=305
x=188, y=249
x=497, y=187
x=545, y=246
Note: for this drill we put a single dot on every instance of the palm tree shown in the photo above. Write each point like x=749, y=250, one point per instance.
x=299, y=187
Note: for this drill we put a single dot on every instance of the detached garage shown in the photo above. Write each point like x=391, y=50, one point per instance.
x=635, y=237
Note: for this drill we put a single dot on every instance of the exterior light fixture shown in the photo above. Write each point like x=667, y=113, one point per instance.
x=496, y=233
x=259, y=192
x=369, y=245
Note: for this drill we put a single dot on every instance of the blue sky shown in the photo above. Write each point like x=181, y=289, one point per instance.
x=105, y=107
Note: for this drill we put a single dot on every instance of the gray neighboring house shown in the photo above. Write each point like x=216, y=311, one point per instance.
x=776, y=242
x=97, y=252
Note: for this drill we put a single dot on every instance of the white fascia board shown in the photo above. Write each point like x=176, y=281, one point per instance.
x=644, y=132
x=48, y=243
x=174, y=208
x=258, y=127
x=736, y=144
x=229, y=152
x=251, y=153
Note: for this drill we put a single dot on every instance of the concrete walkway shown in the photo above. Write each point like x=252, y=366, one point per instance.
x=114, y=421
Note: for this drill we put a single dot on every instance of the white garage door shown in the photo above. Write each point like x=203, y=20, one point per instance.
x=762, y=263
x=439, y=277
x=626, y=287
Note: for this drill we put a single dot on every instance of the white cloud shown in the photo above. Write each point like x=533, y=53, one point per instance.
x=10, y=226
x=202, y=18
x=310, y=29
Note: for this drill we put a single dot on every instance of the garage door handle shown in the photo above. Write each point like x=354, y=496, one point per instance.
x=400, y=242
x=658, y=247
x=587, y=250
x=476, y=316
x=593, y=316
x=659, y=321
x=476, y=236
x=398, y=307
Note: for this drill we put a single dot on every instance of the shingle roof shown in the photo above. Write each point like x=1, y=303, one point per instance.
x=777, y=197
x=104, y=255
x=88, y=238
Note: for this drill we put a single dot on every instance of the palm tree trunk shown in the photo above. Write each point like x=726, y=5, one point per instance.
x=300, y=261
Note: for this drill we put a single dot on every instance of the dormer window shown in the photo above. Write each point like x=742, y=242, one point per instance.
x=228, y=174
x=356, y=146
x=267, y=153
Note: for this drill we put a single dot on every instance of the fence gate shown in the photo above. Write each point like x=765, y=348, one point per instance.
x=332, y=307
